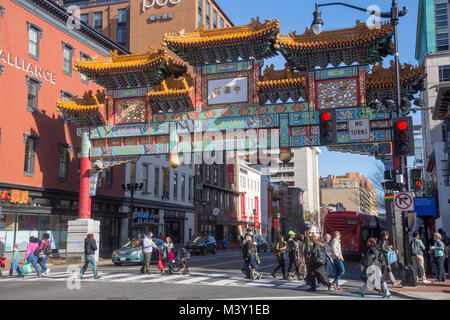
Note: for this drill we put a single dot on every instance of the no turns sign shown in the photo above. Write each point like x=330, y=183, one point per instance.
x=403, y=201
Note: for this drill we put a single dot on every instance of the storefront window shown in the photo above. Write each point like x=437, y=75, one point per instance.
x=27, y=226
x=7, y=230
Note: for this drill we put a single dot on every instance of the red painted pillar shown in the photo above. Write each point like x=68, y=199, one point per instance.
x=84, y=203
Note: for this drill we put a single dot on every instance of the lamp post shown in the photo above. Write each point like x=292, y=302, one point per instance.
x=394, y=15
x=132, y=188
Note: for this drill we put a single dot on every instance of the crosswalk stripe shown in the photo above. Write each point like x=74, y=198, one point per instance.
x=192, y=280
x=139, y=277
x=167, y=278
x=223, y=282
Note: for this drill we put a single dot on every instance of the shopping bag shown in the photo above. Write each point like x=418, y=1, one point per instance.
x=391, y=257
x=26, y=267
x=160, y=262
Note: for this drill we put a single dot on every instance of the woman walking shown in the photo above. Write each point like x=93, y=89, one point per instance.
x=337, y=258
x=385, y=248
x=30, y=256
x=165, y=249
x=438, y=250
x=280, y=251
x=371, y=275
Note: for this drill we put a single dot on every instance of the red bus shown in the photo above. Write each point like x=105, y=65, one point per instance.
x=355, y=228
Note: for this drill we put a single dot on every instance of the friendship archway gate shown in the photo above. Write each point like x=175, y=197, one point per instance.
x=151, y=105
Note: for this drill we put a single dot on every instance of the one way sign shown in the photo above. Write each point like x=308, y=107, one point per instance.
x=403, y=201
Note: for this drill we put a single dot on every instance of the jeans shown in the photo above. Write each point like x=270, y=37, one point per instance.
x=89, y=259
x=15, y=266
x=329, y=267
x=282, y=265
x=43, y=264
x=339, y=269
x=440, y=268
x=32, y=259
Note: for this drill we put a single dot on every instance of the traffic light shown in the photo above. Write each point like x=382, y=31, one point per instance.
x=327, y=123
x=403, y=137
x=416, y=179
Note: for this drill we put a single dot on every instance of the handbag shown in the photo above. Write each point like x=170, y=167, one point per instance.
x=391, y=257
x=26, y=268
x=160, y=262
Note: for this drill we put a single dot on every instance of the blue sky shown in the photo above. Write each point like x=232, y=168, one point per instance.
x=296, y=15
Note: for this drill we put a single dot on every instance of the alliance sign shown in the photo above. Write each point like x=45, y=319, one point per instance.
x=147, y=4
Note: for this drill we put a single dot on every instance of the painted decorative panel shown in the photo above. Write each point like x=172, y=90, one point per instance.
x=130, y=111
x=337, y=94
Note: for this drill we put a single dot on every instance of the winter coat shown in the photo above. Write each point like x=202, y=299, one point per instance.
x=247, y=250
x=327, y=249
x=371, y=257
x=318, y=256
x=90, y=246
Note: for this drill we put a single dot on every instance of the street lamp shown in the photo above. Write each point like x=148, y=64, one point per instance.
x=132, y=187
x=394, y=15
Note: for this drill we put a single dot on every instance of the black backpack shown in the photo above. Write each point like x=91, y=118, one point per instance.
x=320, y=257
x=48, y=249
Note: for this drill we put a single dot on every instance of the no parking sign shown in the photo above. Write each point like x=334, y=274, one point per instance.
x=404, y=201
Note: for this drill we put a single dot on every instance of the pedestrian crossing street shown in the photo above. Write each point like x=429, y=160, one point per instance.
x=194, y=278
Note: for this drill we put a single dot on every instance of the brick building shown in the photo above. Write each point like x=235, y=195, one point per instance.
x=39, y=167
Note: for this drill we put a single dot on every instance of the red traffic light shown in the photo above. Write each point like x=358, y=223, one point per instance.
x=325, y=116
x=402, y=125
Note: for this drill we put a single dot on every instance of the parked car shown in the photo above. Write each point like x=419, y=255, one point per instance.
x=261, y=244
x=202, y=245
x=131, y=252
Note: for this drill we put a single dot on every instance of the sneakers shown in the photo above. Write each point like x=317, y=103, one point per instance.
x=426, y=281
x=47, y=272
x=359, y=294
x=387, y=297
x=97, y=277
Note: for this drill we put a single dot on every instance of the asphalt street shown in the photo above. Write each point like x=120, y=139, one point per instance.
x=211, y=277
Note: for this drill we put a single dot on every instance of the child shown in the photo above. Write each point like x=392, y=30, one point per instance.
x=15, y=262
x=171, y=258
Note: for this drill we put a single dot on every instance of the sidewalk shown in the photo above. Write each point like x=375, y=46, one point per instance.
x=431, y=291
x=54, y=266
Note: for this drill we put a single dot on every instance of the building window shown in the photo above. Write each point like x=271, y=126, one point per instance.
x=175, y=186
x=183, y=188
x=63, y=161
x=33, y=85
x=208, y=16
x=221, y=22
x=156, y=186
x=200, y=13
x=208, y=170
x=444, y=73
x=122, y=26
x=68, y=51
x=145, y=177
x=215, y=174
x=34, y=34
x=441, y=23
x=98, y=21
x=214, y=19
x=84, y=57
x=191, y=188
x=29, y=155
x=84, y=17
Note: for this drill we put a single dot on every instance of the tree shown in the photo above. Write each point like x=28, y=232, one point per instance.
x=377, y=178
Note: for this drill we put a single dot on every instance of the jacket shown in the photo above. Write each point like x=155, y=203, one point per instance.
x=31, y=248
x=336, y=249
x=90, y=246
x=384, y=246
x=247, y=250
x=148, y=245
x=318, y=256
x=2, y=249
x=292, y=248
x=438, y=249
x=166, y=248
x=307, y=247
x=417, y=247
x=44, y=244
x=281, y=254
x=370, y=258
x=327, y=246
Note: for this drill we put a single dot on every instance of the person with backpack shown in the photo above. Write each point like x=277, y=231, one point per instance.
x=385, y=248
x=439, y=255
x=316, y=265
x=30, y=255
x=42, y=253
x=90, y=246
x=417, y=248
x=371, y=274
x=280, y=252
x=293, y=255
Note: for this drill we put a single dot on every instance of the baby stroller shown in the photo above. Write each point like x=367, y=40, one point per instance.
x=181, y=262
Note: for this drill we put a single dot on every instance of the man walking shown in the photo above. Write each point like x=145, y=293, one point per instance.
x=417, y=248
x=147, y=249
x=446, y=241
x=90, y=246
x=329, y=266
x=293, y=254
x=316, y=265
